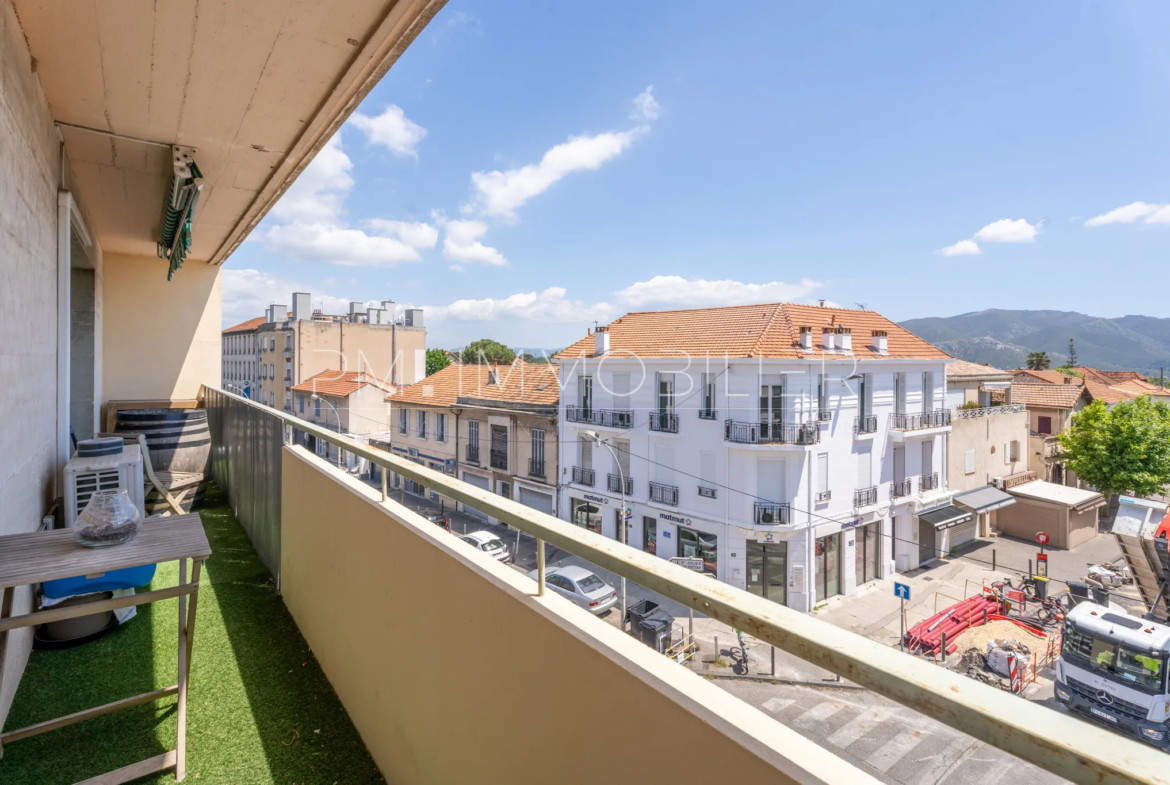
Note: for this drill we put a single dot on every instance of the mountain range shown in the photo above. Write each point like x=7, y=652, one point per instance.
x=1005, y=338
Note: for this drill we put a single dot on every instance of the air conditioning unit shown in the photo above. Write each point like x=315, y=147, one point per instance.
x=86, y=476
x=997, y=482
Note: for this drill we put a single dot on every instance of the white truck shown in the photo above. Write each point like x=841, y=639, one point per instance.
x=1112, y=669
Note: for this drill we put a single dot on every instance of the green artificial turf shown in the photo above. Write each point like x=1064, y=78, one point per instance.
x=260, y=708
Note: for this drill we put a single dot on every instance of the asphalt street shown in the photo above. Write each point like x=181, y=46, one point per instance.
x=889, y=741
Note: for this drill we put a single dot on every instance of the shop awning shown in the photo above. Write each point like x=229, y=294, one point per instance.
x=946, y=517
x=982, y=500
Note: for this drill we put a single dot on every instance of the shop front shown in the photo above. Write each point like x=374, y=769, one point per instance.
x=935, y=527
x=767, y=570
x=587, y=513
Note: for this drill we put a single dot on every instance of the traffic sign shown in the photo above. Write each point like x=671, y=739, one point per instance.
x=902, y=590
x=1042, y=538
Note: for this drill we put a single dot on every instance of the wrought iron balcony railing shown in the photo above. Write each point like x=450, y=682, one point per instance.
x=666, y=422
x=499, y=459
x=535, y=468
x=900, y=488
x=824, y=496
x=583, y=476
x=770, y=433
x=707, y=414
x=928, y=482
x=472, y=453
x=706, y=493
x=663, y=494
x=864, y=497
x=824, y=415
x=867, y=424
x=616, y=486
x=772, y=514
x=606, y=418
x=938, y=418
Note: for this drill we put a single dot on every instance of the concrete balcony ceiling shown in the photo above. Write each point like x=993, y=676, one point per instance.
x=257, y=88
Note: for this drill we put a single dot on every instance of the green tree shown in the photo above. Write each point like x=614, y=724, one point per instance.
x=529, y=357
x=485, y=351
x=1121, y=449
x=437, y=360
x=1038, y=361
x=1072, y=354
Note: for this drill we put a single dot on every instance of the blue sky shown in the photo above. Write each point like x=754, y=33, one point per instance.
x=528, y=168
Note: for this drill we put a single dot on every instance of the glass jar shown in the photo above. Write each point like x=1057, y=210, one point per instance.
x=110, y=518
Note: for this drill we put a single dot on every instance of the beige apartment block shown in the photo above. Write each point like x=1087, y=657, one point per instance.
x=494, y=426
x=989, y=435
x=351, y=403
x=293, y=346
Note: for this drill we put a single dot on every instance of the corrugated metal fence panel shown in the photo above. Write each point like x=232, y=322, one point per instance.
x=246, y=444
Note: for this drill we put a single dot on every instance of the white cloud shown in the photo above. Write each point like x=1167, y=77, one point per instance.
x=1130, y=213
x=392, y=129
x=676, y=291
x=1008, y=231
x=413, y=233
x=962, y=248
x=246, y=293
x=320, y=191
x=502, y=193
x=461, y=242
x=334, y=244
x=548, y=307
x=645, y=107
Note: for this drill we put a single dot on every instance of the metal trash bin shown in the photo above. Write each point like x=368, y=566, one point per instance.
x=1041, y=584
x=650, y=624
x=1100, y=596
x=1078, y=592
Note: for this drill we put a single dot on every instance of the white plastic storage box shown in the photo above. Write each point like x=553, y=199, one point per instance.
x=86, y=476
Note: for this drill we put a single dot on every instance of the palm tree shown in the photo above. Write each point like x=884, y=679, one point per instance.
x=1038, y=361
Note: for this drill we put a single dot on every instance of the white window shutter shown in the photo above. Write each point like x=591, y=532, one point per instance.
x=970, y=456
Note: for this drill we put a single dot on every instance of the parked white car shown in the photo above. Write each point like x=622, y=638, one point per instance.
x=488, y=543
x=580, y=586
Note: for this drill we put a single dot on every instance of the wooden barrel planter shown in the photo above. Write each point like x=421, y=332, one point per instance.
x=178, y=439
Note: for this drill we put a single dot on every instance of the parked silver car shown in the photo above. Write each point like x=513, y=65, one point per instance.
x=580, y=586
x=488, y=543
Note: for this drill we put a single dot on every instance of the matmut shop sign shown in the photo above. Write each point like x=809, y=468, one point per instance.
x=666, y=516
x=592, y=497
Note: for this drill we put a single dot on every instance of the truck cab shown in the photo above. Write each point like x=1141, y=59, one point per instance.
x=1112, y=670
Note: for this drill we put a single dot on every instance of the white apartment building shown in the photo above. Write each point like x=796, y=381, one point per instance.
x=799, y=451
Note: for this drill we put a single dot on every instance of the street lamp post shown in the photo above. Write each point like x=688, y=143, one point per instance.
x=336, y=417
x=623, y=527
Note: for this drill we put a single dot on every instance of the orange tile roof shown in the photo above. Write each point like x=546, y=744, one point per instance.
x=1110, y=377
x=251, y=324
x=338, y=383
x=1029, y=376
x=768, y=331
x=1104, y=392
x=520, y=382
x=1141, y=388
x=1056, y=396
x=961, y=369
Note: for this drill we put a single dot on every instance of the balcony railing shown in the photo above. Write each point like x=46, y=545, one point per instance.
x=928, y=482
x=666, y=422
x=499, y=459
x=249, y=461
x=901, y=488
x=472, y=453
x=863, y=425
x=770, y=433
x=583, y=476
x=606, y=418
x=708, y=414
x=706, y=493
x=824, y=496
x=864, y=497
x=771, y=514
x=824, y=415
x=989, y=411
x=617, y=486
x=664, y=494
x=535, y=468
x=938, y=418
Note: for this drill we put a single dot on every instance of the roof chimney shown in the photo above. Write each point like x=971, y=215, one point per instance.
x=827, y=338
x=493, y=377
x=880, y=342
x=1068, y=380
x=601, y=341
x=806, y=338
x=822, y=303
x=844, y=339
x=302, y=309
x=279, y=313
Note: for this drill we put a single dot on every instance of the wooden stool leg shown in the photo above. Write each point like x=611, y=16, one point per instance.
x=5, y=612
x=181, y=740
